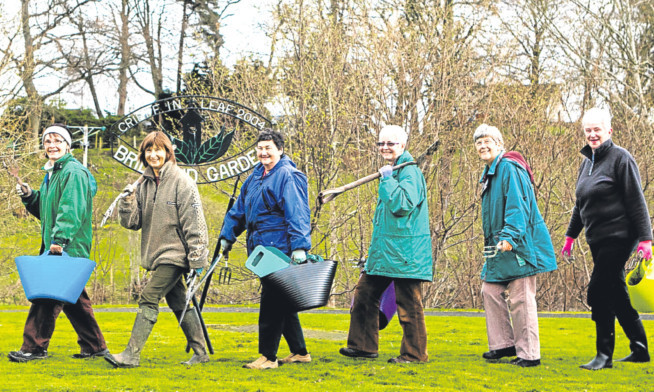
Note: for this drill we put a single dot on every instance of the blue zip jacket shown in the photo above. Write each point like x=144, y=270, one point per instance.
x=274, y=209
x=509, y=213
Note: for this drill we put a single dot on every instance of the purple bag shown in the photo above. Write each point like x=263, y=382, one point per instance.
x=387, y=306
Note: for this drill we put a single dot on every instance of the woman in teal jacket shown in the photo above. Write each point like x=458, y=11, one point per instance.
x=64, y=205
x=514, y=226
x=400, y=252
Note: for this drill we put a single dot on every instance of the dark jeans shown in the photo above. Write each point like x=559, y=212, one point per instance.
x=607, y=291
x=276, y=320
x=165, y=281
x=364, y=316
x=40, y=324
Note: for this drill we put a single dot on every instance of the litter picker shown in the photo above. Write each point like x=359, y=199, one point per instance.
x=112, y=207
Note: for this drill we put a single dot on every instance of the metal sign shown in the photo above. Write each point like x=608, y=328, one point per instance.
x=213, y=138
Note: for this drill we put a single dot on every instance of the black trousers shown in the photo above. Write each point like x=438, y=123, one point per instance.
x=276, y=320
x=607, y=291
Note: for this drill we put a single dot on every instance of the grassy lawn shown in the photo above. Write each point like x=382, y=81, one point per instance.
x=455, y=347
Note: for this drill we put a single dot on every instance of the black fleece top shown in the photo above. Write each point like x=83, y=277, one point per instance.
x=610, y=201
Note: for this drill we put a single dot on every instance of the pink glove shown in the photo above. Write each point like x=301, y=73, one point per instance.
x=567, y=248
x=644, y=250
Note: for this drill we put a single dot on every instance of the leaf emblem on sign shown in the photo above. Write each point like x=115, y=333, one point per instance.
x=208, y=151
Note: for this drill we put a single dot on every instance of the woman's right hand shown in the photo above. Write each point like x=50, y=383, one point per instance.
x=567, y=248
x=23, y=190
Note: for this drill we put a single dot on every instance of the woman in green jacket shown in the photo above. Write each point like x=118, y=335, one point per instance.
x=400, y=252
x=514, y=226
x=64, y=204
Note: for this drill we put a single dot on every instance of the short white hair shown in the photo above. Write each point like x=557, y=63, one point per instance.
x=485, y=130
x=396, y=131
x=597, y=115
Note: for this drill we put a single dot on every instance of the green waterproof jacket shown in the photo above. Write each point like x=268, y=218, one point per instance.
x=509, y=212
x=401, y=241
x=64, y=204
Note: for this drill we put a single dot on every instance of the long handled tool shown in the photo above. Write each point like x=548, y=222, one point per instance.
x=329, y=194
x=206, y=279
x=112, y=207
x=190, y=297
x=224, y=271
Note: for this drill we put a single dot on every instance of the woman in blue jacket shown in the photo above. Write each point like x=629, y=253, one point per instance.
x=273, y=207
x=512, y=224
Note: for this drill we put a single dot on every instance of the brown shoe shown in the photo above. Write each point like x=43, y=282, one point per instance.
x=262, y=363
x=295, y=358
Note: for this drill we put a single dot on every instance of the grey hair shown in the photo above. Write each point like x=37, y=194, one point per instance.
x=485, y=130
x=596, y=114
x=397, y=131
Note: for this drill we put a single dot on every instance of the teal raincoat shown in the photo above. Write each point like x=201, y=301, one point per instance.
x=401, y=240
x=510, y=213
x=64, y=204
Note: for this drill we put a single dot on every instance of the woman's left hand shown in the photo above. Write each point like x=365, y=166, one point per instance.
x=56, y=249
x=644, y=250
x=504, y=246
x=299, y=256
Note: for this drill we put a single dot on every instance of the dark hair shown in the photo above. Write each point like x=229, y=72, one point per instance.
x=160, y=140
x=276, y=137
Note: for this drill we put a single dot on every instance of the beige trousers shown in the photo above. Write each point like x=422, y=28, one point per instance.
x=518, y=328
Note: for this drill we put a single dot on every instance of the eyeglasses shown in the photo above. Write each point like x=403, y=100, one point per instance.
x=53, y=142
x=389, y=144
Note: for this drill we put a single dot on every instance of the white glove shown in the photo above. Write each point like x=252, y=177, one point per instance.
x=23, y=190
x=299, y=256
x=129, y=189
x=225, y=246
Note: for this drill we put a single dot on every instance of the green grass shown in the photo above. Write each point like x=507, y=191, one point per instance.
x=455, y=348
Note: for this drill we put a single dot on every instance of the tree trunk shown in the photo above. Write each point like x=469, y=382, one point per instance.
x=124, y=57
x=181, y=47
x=27, y=73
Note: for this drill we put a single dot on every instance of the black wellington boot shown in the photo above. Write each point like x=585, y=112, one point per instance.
x=605, y=342
x=638, y=342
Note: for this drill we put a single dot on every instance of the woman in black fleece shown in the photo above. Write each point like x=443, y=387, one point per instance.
x=611, y=207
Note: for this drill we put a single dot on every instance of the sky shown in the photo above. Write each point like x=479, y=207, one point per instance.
x=242, y=30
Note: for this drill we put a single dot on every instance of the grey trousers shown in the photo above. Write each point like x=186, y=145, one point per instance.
x=515, y=326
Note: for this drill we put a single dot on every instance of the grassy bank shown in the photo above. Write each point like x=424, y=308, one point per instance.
x=455, y=348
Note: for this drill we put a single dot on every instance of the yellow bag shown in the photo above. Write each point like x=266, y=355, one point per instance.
x=640, y=283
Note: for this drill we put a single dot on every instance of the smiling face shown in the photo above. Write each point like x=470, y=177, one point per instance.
x=55, y=146
x=390, y=146
x=596, y=133
x=487, y=148
x=155, y=157
x=268, y=154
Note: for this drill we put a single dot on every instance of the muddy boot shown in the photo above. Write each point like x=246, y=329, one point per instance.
x=605, y=342
x=131, y=357
x=193, y=332
x=638, y=342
